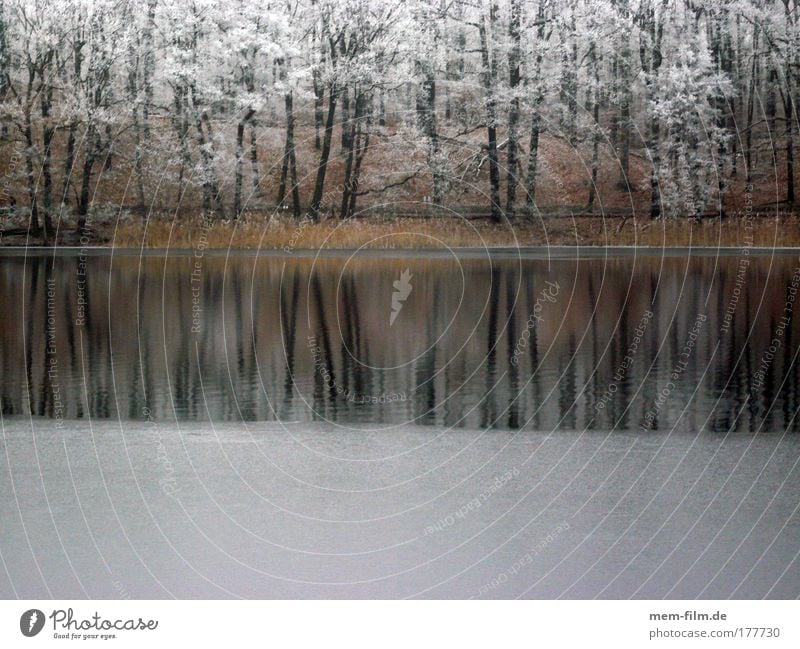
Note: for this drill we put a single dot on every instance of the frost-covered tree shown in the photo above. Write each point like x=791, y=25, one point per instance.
x=686, y=106
x=244, y=106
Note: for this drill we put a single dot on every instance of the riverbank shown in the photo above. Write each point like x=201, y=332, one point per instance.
x=262, y=232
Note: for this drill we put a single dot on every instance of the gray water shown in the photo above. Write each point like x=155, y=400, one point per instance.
x=521, y=427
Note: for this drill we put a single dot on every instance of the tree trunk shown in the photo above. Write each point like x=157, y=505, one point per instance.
x=382, y=109
x=180, y=123
x=595, y=127
x=789, y=148
x=289, y=167
x=348, y=144
x=534, y=80
x=426, y=121
x=624, y=88
x=533, y=159
x=358, y=142
x=319, y=183
x=651, y=59
x=624, y=130
x=5, y=68
x=35, y=228
x=754, y=70
x=653, y=145
x=69, y=163
x=86, y=179
x=319, y=99
x=569, y=85
x=254, y=155
x=488, y=78
x=237, y=191
x=361, y=152
x=205, y=140
x=345, y=119
x=48, y=132
x=514, y=55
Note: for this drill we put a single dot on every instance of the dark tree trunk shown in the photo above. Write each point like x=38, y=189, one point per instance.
x=754, y=71
x=488, y=78
x=358, y=142
x=382, y=109
x=345, y=119
x=595, y=126
x=624, y=129
x=789, y=147
x=653, y=145
x=651, y=59
x=86, y=179
x=533, y=159
x=69, y=163
x=319, y=183
x=289, y=166
x=349, y=136
x=319, y=100
x=35, y=228
x=254, y=155
x=361, y=151
x=494, y=173
x=514, y=56
x=538, y=97
x=623, y=85
x=569, y=87
x=5, y=68
x=426, y=121
x=48, y=132
x=137, y=131
x=237, y=191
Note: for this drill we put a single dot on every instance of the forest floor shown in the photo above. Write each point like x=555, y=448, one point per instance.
x=260, y=231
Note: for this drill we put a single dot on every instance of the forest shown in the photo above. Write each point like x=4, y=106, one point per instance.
x=335, y=109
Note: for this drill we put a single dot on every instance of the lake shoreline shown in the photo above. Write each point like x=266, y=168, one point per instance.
x=523, y=252
x=262, y=232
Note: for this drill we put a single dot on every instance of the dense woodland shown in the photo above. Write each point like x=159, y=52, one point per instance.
x=323, y=107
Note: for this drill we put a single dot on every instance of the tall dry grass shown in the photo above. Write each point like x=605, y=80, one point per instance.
x=254, y=232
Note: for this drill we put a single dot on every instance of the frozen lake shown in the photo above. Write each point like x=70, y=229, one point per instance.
x=107, y=510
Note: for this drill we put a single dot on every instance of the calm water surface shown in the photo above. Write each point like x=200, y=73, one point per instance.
x=626, y=343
